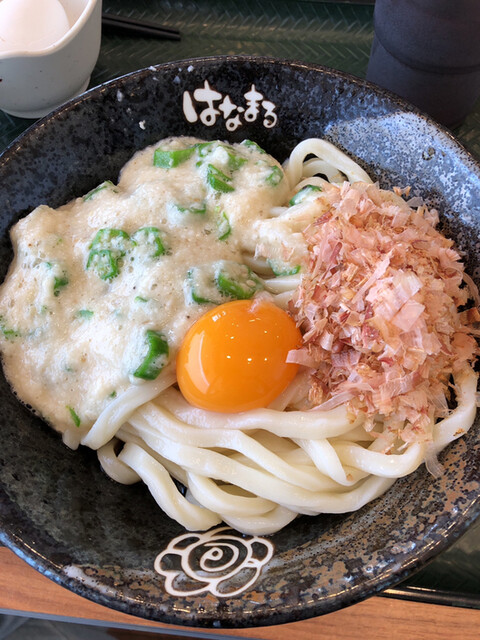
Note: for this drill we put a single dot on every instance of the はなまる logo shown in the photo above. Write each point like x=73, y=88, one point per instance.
x=217, y=104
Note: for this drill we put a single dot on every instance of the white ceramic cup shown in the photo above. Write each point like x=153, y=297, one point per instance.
x=34, y=83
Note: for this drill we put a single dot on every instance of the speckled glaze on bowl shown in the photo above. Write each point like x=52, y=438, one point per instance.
x=61, y=514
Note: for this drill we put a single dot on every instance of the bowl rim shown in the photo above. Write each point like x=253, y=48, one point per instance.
x=403, y=104
x=350, y=596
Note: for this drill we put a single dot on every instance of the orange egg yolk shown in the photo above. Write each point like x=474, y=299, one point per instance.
x=234, y=357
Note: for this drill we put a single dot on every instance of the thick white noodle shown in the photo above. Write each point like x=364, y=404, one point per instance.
x=262, y=525
x=164, y=490
x=459, y=421
x=379, y=464
x=118, y=411
x=72, y=437
x=217, y=499
x=257, y=482
x=257, y=264
x=288, y=424
x=327, y=461
x=152, y=425
x=313, y=180
x=316, y=167
x=127, y=434
x=282, y=299
x=282, y=284
x=261, y=482
x=113, y=467
x=323, y=150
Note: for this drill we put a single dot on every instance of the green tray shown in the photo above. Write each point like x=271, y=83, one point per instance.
x=337, y=35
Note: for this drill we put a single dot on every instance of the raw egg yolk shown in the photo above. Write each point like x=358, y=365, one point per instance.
x=234, y=357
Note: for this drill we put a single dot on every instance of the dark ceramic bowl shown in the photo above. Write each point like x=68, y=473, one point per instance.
x=58, y=510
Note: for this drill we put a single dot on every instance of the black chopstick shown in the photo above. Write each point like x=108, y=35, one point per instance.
x=139, y=27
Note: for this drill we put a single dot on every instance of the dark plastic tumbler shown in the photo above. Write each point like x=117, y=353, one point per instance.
x=428, y=52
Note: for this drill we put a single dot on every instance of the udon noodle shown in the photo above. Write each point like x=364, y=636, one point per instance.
x=259, y=469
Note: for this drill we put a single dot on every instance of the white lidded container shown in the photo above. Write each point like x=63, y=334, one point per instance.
x=51, y=60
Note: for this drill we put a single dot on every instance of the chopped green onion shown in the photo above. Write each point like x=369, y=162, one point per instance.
x=104, y=264
x=201, y=286
x=156, y=358
x=203, y=148
x=9, y=334
x=303, y=193
x=253, y=145
x=275, y=176
x=113, y=394
x=112, y=239
x=104, y=185
x=282, y=269
x=235, y=161
x=236, y=280
x=171, y=159
x=60, y=280
x=152, y=237
x=201, y=210
x=74, y=416
x=194, y=209
x=218, y=180
x=59, y=283
x=84, y=313
x=220, y=281
x=107, y=247
x=223, y=226
x=140, y=299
